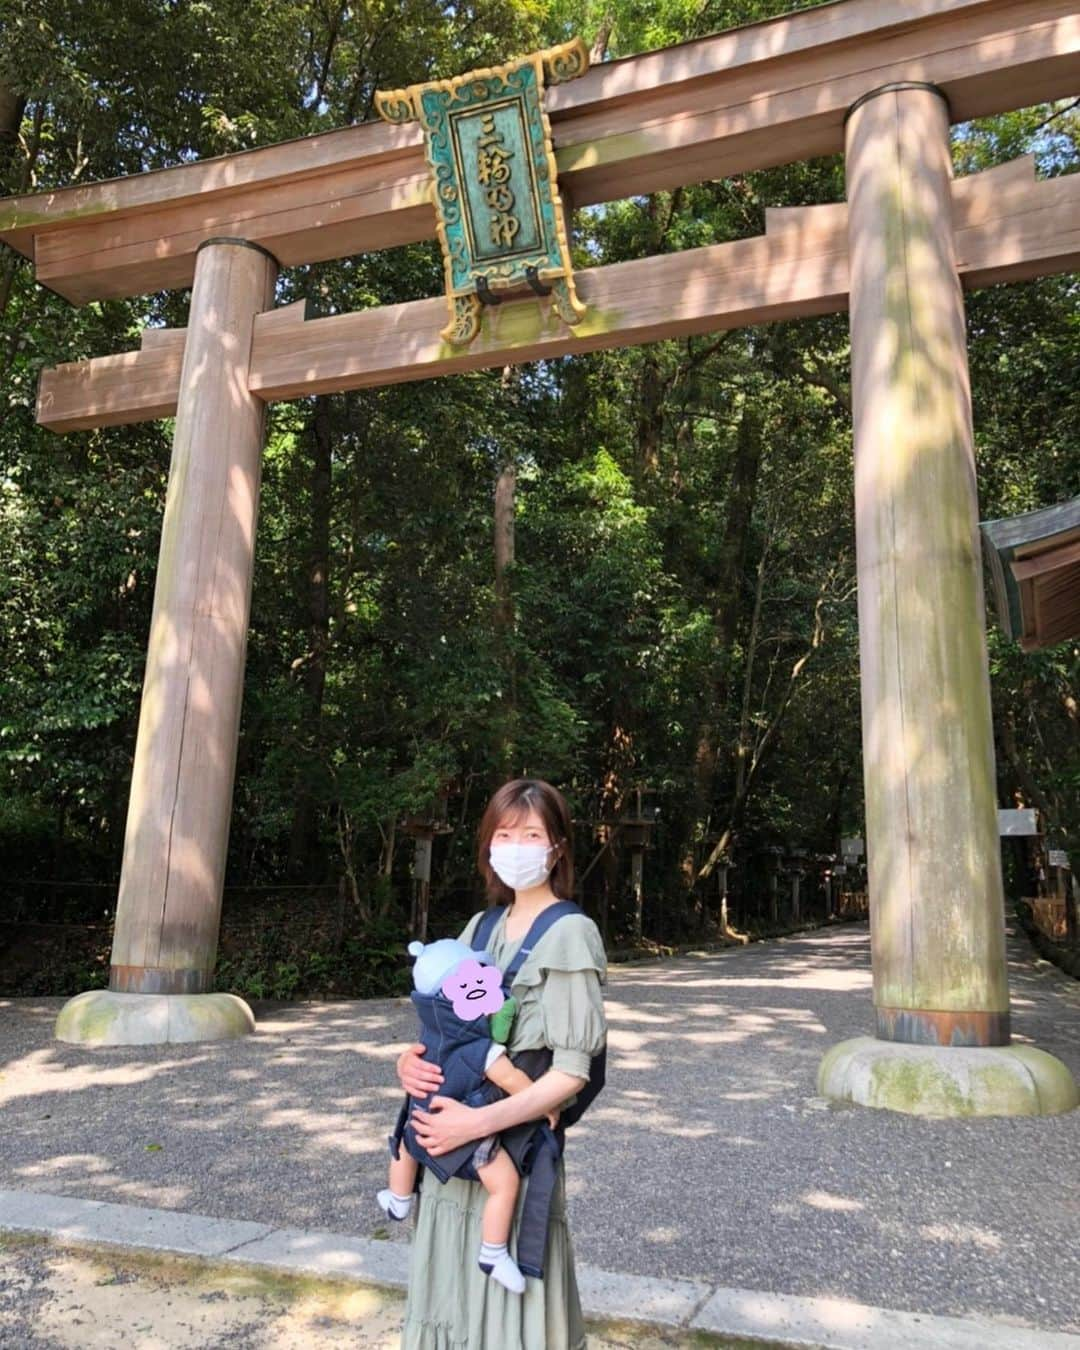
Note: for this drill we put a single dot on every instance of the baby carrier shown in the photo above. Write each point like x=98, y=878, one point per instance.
x=543, y=921
x=534, y=1147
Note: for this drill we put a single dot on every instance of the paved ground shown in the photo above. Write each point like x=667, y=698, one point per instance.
x=708, y=1158
x=75, y=1299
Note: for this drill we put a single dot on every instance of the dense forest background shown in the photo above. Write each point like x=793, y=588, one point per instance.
x=674, y=611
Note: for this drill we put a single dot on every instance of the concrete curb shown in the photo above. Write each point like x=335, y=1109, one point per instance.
x=686, y=1305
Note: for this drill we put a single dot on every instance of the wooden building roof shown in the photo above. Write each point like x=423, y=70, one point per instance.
x=1034, y=562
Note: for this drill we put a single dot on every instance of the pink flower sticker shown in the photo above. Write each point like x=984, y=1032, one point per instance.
x=474, y=989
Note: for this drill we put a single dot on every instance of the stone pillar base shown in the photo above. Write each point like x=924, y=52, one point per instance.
x=933, y=1080
x=106, y=1017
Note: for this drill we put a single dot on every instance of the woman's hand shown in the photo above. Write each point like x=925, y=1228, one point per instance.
x=448, y=1125
x=418, y=1077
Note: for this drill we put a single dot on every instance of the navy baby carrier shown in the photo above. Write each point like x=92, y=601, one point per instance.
x=459, y=1046
x=534, y=1147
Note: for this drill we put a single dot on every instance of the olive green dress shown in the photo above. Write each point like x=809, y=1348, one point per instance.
x=452, y=1304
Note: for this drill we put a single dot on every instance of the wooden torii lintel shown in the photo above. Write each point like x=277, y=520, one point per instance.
x=769, y=93
x=1008, y=228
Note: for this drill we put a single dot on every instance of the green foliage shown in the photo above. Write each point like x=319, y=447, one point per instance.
x=275, y=962
x=683, y=606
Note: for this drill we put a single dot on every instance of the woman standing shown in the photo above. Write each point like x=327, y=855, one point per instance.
x=525, y=854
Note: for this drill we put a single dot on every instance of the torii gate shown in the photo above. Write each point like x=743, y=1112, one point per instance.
x=880, y=80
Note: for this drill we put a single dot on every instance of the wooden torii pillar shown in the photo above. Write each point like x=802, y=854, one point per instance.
x=169, y=906
x=940, y=978
x=879, y=78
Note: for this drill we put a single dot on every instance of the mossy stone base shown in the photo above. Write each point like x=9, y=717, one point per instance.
x=107, y=1017
x=933, y=1080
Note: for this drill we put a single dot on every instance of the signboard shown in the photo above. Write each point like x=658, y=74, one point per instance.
x=851, y=848
x=494, y=188
x=1057, y=857
x=1014, y=824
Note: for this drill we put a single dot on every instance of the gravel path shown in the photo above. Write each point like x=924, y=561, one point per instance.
x=708, y=1156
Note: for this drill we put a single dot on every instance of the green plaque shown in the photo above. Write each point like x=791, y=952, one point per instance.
x=494, y=188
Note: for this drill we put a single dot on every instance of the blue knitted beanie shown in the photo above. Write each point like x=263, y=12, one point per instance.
x=435, y=961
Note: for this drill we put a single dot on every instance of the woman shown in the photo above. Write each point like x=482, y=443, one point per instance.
x=525, y=855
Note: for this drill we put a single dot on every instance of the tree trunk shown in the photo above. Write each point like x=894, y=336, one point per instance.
x=12, y=107
x=505, y=488
x=742, y=493
x=505, y=728
x=650, y=422
x=749, y=764
x=598, y=50
x=16, y=174
x=318, y=629
x=504, y=548
x=840, y=776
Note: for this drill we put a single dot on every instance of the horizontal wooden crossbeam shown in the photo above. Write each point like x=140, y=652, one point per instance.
x=770, y=93
x=1009, y=227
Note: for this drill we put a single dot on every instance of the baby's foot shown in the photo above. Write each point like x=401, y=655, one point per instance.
x=497, y=1262
x=394, y=1206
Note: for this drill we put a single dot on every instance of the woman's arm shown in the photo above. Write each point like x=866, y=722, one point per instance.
x=417, y=1076
x=449, y=1124
x=550, y=1090
x=506, y=1075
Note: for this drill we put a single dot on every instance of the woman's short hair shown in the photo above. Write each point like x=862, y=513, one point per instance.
x=514, y=800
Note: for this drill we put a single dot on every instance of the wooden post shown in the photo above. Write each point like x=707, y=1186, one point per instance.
x=637, y=858
x=931, y=827
x=721, y=881
x=421, y=880
x=169, y=907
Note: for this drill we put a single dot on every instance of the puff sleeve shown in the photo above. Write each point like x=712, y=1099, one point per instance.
x=570, y=965
x=574, y=1023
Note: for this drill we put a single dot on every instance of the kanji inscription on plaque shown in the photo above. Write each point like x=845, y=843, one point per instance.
x=499, y=214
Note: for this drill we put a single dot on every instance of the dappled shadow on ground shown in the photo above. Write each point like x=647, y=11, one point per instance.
x=771, y=998
x=709, y=1154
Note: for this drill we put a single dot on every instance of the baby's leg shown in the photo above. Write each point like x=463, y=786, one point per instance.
x=396, y=1202
x=500, y=1179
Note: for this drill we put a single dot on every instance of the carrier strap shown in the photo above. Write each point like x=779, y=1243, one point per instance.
x=536, y=1207
x=540, y=925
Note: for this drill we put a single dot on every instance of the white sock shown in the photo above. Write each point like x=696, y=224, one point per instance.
x=394, y=1206
x=497, y=1262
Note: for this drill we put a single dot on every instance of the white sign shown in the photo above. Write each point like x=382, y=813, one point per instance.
x=1058, y=857
x=1017, y=823
x=851, y=848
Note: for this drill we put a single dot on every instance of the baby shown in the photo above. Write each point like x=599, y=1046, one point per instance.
x=465, y=1023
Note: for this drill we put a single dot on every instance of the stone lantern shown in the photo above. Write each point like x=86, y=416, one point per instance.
x=772, y=863
x=635, y=828
x=796, y=871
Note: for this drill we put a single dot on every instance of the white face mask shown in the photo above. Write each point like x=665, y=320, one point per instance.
x=521, y=866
